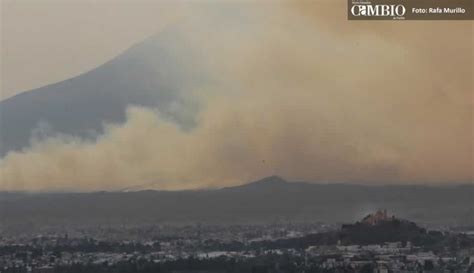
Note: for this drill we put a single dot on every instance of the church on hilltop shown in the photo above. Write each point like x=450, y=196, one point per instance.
x=378, y=217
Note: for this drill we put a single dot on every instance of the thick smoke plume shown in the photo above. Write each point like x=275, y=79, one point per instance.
x=305, y=96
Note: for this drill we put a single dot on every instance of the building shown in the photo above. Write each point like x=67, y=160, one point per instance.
x=379, y=216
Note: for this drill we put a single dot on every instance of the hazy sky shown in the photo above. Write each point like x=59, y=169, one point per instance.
x=300, y=92
x=46, y=41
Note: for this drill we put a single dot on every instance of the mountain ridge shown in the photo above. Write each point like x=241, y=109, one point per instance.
x=250, y=203
x=155, y=73
x=272, y=180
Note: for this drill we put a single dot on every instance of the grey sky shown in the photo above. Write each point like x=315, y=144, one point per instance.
x=46, y=41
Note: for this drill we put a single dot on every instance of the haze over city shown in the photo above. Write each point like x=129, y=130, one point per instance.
x=194, y=95
x=159, y=136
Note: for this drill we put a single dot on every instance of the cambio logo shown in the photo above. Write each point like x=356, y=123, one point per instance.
x=378, y=10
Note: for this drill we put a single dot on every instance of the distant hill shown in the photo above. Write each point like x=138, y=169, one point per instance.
x=265, y=201
x=363, y=233
x=396, y=230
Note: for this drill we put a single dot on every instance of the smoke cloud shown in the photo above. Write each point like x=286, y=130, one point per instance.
x=302, y=94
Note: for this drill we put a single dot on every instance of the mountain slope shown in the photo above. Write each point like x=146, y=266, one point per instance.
x=158, y=72
x=265, y=201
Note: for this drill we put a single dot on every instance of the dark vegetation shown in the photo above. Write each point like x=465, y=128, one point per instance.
x=388, y=231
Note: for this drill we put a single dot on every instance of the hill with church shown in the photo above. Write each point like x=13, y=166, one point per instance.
x=378, y=228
